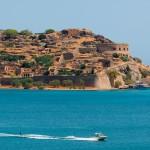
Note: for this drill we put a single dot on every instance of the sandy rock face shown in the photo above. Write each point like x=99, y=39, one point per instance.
x=103, y=82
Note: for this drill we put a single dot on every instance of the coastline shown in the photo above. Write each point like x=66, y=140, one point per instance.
x=48, y=88
x=58, y=89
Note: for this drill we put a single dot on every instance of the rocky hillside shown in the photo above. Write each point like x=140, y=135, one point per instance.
x=70, y=52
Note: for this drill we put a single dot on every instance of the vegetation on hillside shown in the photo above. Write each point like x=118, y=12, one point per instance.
x=45, y=60
x=48, y=31
x=112, y=74
x=25, y=32
x=8, y=57
x=144, y=73
x=28, y=64
x=118, y=84
x=138, y=60
x=68, y=83
x=55, y=83
x=10, y=33
x=124, y=58
x=27, y=83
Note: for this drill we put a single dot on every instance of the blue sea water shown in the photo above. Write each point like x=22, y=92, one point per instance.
x=45, y=116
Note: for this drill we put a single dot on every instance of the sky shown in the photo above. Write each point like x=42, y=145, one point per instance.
x=124, y=21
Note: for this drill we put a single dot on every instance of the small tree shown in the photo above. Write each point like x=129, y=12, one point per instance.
x=128, y=81
x=82, y=66
x=42, y=36
x=48, y=31
x=27, y=83
x=118, y=84
x=39, y=84
x=115, y=55
x=10, y=33
x=138, y=60
x=45, y=60
x=124, y=58
x=16, y=83
x=55, y=83
x=112, y=74
x=9, y=57
x=67, y=83
x=144, y=73
x=25, y=32
x=28, y=64
x=82, y=83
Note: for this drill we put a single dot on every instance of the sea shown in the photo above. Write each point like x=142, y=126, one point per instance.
x=68, y=120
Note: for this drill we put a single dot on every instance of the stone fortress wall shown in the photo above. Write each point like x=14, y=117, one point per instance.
x=110, y=48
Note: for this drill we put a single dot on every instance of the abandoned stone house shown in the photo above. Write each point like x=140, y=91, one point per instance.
x=53, y=71
x=8, y=69
x=68, y=56
x=84, y=50
x=122, y=49
x=25, y=72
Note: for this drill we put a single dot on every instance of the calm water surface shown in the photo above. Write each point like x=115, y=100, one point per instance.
x=124, y=116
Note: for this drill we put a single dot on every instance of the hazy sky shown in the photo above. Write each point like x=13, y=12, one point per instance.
x=120, y=20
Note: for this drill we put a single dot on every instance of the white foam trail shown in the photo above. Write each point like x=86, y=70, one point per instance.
x=46, y=137
x=36, y=136
x=80, y=138
x=8, y=135
x=30, y=136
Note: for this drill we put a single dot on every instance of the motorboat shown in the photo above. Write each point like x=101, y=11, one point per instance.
x=100, y=136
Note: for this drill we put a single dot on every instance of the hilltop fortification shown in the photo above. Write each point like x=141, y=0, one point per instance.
x=72, y=53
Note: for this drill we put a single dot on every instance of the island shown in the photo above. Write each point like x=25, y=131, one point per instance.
x=67, y=59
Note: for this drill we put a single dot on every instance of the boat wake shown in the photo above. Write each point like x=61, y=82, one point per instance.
x=47, y=137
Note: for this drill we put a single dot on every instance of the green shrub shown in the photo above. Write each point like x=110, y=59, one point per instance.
x=42, y=37
x=82, y=66
x=112, y=74
x=138, y=60
x=78, y=72
x=25, y=32
x=27, y=83
x=48, y=31
x=144, y=73
x=115, y=55
x=82, y=83
x=128, y=81
x=65, y=71
x=128, y=78
x=45, y=60
x=39, y=85
x=68, y=83
x=16, y=83
x=118, y=84
x=124, y=58
x=55, y=83
x=7, y=57
x=10, y=33
x=28, y=64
